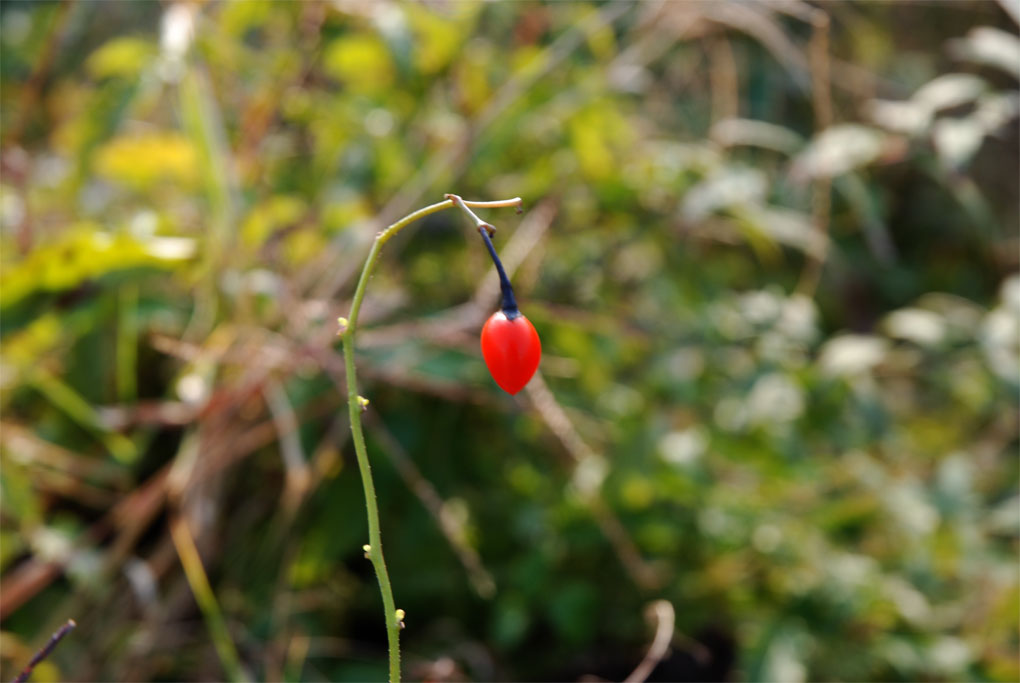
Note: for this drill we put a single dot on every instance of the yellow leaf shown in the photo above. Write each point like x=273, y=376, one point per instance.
x=361, y=62
x=140, y=161
x=124, y=57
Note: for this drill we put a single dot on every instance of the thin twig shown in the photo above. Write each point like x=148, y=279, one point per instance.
x=45, y=651
x=665, y=618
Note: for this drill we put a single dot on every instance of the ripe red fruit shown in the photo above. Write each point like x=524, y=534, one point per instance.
x=511, y=349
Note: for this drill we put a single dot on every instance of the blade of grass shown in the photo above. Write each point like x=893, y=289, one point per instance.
x=202, y=123
x=200, y=117
x=81, y=411
x=206, y=599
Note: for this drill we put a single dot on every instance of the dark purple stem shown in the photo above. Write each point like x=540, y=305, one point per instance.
x=509, y=306
x=510, y=309
x=46, y=650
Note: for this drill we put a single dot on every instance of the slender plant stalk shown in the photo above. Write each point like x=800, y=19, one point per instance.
x=194, y=572
x=356, y=405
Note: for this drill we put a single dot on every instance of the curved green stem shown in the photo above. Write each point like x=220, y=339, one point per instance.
x=356, y=405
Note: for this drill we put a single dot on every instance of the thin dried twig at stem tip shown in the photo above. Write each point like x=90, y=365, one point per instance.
x=46, y=649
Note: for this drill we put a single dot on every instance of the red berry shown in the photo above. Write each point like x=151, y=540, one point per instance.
x=511, y=349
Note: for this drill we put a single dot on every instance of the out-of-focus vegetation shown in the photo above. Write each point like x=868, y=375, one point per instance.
x=771, y=250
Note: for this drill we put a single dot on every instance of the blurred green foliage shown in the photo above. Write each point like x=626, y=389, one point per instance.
x=782, y=346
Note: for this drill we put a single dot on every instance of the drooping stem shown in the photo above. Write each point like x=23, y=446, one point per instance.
x=356, y=405
x=509, y=304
